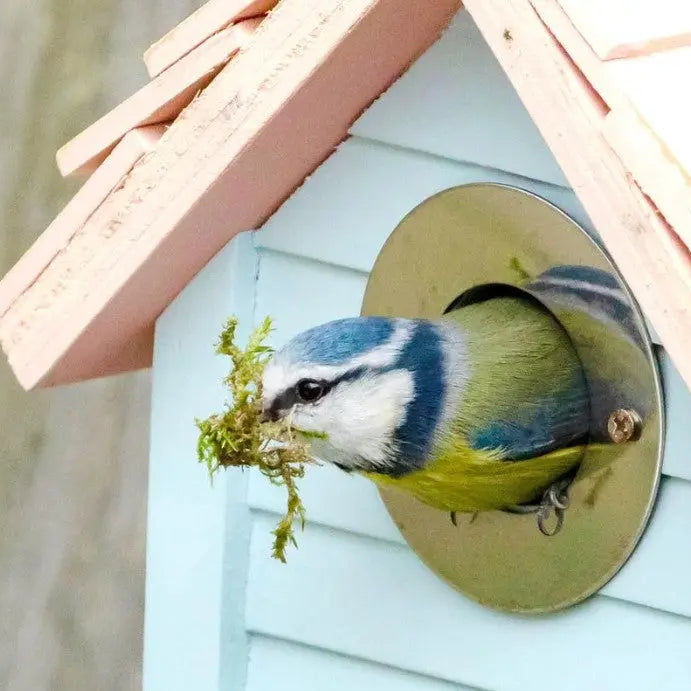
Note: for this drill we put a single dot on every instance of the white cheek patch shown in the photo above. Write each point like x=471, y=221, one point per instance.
x=360, y=417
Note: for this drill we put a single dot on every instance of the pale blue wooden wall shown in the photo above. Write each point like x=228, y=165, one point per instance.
x=354, y=608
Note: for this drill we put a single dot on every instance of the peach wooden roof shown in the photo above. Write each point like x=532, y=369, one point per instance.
x=180, y=167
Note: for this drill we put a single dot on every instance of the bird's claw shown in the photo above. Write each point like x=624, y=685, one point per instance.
x=452, y=516
x=556, y=499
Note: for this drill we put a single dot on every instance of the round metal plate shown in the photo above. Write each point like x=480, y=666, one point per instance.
x=485, y=234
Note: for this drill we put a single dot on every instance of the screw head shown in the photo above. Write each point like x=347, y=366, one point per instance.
x=624, y=425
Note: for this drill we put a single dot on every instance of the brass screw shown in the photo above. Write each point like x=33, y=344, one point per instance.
x=624, y=425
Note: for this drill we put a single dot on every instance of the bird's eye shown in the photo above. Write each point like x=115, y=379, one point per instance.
x=309, y=390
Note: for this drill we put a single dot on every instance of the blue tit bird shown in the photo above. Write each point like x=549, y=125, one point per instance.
x=482, y=409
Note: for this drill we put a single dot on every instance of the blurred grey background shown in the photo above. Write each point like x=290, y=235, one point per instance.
x=73, y=460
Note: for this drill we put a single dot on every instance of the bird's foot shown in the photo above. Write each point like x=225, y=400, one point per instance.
x=555, y=499
x=454, y=518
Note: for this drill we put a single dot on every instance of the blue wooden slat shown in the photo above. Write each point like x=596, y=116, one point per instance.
x=656, y=576
x=348, y=207
x=377, y=601
x=346, y=223
x=195, y=557
x=298, y=293
x=332, y=498
x=277, y=664
x=678, y=407
x=659, y=571
x=456, y=101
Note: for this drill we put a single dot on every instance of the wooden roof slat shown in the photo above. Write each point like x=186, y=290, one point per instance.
x=570, y=115
x=655, y=171
x=158, y=101
x=578, y=49
x=658, y=88
x=209, y=19
x=626, y=28
x=77, y=211
x=633, y=85
x=265, y=123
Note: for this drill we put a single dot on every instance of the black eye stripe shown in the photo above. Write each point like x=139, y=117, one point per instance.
x=288, y=397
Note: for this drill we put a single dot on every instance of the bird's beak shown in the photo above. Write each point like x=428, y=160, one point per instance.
x=268, y=415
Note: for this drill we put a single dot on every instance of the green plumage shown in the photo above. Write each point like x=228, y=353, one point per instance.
x=523, y=382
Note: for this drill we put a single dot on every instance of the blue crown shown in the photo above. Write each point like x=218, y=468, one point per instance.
x=338, y=341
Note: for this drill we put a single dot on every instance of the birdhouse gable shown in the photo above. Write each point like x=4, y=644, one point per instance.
x=254, y=102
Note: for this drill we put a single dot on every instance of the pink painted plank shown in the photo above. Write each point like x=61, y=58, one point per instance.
x=657, y=173
x=649, y=84
x=209, y=19
x=77, y=211
x=578, y=49
x=570, y=117
x=657, y=87
x=271, y=116
x=652, y=149
x=627, y=28
x=159, y=101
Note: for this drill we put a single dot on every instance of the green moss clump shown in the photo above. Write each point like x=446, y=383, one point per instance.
x=238, y=438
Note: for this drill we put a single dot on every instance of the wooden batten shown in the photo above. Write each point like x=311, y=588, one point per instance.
x=84, y=300
x=653, y=86
x=264, y=124
x=75, y=214
x=160, y=100
x=578, y=49
x=208, y=20
x=570, y=117
x=628, y=28
x=653, y=117
x=658, y=174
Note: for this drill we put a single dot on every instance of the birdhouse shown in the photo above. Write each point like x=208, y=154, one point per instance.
x=313, y=161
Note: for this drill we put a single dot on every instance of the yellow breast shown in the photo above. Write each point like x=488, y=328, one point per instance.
x=467, y=480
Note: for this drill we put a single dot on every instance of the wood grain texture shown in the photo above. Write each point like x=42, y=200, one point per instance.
x=469, y=109
x=658, y=174
x=646, y=126
x=652, y=258
x=198, y=534
x=143, y=245
x=377, y=601
x=625, y=28
x=650, y=85
x=655, y=576
x=89, y=197
x=578, y=49
x=305, y=668
x=158, y=101
x=212, y=17
x=73, y=470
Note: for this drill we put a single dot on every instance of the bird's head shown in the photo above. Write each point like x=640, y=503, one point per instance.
x=355, y=386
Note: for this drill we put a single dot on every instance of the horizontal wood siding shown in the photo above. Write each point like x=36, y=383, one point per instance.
x=345, y=211
x=376, y=600
x=659, y=571
x=354, y=608
x=348, y=207
x=306, y=668
x=456, y=102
